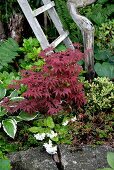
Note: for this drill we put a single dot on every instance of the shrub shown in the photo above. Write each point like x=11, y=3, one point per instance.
x=100, y=94
x=55, y=84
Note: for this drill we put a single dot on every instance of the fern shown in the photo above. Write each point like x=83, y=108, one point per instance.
x=8, y=52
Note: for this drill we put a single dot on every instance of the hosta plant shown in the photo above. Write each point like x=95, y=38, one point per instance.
x=8, y=122
x=110, y=160
x=55, y=87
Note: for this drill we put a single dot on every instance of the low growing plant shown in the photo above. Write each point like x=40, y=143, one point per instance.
x=8, y=122
x=100, y=95
x=104, y=65
x=55, y=129
x=31, y=49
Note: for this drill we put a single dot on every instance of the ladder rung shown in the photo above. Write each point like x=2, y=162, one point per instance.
x=43, y=8
x=56, y=42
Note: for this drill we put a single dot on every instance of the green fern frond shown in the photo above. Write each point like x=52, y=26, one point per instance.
x=8, y=51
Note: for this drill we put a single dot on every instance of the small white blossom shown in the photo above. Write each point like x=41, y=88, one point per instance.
x=0, y=125
x=65, y=123
x=40, y=136
x=49, y=148
x=73, y=119
x=52, y=134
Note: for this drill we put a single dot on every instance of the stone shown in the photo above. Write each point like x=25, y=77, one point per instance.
x=32, y=159
x=88, y=158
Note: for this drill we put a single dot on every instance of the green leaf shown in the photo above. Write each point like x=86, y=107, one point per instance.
x=5, y=164
x=102, y=55
x=50, y=122
x=10, y=127
x=55, y=139
x=2, y=112
x=14, y=94
x=105, y=70
x=27, y=117
x=2, y=92
x=110, y=159
x=36, y=129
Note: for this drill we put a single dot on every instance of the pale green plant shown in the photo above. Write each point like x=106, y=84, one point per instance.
x=100, y=94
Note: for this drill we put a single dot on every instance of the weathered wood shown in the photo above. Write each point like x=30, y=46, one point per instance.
x=2, y=32
x=34, y=23
x=31, y=17
x=56, y=42
x=16, y=26
x=55, y=18
x=81, y=3
x=86, y=28
x=43, y=8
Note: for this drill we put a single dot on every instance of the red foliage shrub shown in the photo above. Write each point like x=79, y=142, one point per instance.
x=57, y=82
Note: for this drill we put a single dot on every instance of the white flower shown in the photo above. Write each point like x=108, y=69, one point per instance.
x=49, y=148
x=0, y=125
x=73, y=119
x=65, y=123
x=52, y=134
x=40, y=136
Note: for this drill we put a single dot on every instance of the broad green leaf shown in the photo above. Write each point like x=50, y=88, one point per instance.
x=27, y=117
x=10, y=127
x=36, y=129
x=2, y=92
x=5, y=164
x=2, y=112
x=55, y=139
x=102, y=55
x=50, y=122
x=110, y=159
x=14, y=94
x=105, y=70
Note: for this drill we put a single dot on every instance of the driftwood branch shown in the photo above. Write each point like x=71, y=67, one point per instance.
x=86, y=28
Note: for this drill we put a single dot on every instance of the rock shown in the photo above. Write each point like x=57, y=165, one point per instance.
x=32, y=159
x=89, y=158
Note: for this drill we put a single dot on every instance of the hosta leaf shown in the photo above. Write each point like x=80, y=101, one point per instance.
x=110, y=159
x=2, y=92
x=10, y=127
x=14, y=94
x=16, y=99
x=104, y=70
x=5, y=164
x=27, y=117
x=2, y=111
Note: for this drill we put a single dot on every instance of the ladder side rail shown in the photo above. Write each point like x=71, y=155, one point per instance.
x=34, y=23
x=55, y=18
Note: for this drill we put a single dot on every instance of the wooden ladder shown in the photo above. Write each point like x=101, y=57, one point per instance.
x=31, y=17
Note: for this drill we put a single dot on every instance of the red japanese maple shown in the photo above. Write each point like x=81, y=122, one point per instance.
x=57, y=83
